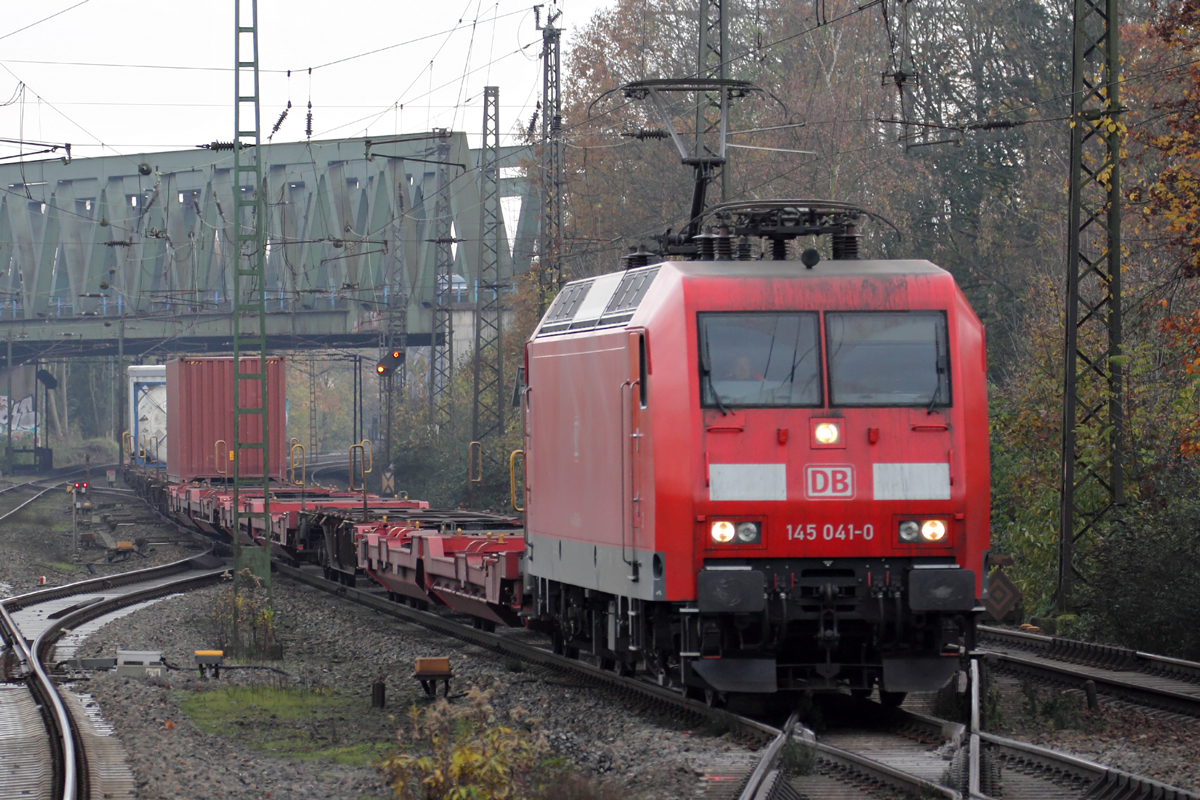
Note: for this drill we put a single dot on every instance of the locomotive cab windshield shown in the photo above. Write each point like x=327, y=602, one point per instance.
x=760, y=359
x=889, y=358
x=875, y=359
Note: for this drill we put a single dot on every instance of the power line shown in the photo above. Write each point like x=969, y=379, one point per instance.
x=43, y=19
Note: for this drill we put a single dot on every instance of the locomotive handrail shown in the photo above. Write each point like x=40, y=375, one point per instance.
x=624, y=451
x=475, y=459
x=219, y=446
x=368, y=457
x=512, y=477
x=127, y=442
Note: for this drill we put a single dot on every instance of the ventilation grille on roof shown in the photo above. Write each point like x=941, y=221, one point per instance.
x=559, y=317
x=598, y=302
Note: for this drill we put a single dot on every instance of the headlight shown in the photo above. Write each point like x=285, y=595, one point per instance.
x=933, y=530
x=909, y=531
x=748, y=532
x=827, y=433
x=723, y=532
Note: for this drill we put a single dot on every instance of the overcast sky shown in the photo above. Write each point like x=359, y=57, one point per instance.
x=130, y=76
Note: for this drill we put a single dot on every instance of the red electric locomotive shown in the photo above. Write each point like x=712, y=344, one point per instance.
x=760, y=475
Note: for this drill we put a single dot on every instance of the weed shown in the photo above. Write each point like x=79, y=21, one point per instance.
x=460, y=751
x=797, y=758
x=513, y=664
x=992, y=713
x=1032, y=700
x=1063, y=710
x=243, y=622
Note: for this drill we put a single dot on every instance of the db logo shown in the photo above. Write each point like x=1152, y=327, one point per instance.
x=828, y=482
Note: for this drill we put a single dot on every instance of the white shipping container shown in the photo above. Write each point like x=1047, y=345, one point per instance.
x=148, y=413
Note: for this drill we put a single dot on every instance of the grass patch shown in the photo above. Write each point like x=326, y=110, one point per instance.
x=294, y=722
x=364, y=754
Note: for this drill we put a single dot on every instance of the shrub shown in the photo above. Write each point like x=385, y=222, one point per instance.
x=1145, y=580
x=243, y=621
x=457, y=752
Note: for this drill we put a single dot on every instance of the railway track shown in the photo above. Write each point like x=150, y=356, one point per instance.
x=1142, y=679
x=52, y=740
x=873, y=752
x=10, y=494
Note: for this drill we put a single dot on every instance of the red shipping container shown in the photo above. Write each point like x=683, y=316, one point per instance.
x=200, y=418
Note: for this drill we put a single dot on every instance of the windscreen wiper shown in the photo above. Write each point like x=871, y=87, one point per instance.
x=937, y=372
x=706, y=368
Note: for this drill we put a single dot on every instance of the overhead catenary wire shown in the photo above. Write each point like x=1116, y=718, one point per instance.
x=44, y=19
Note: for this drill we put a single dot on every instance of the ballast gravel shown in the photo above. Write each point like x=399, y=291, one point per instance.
x=38, y=543
x=328, y=643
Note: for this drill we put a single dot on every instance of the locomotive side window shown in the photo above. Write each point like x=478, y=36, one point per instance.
x=893, y=358
x=759, y=360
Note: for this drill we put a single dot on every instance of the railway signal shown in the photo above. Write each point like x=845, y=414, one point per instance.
x=388, y=364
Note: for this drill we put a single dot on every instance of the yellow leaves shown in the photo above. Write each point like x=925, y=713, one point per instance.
x=467, y=754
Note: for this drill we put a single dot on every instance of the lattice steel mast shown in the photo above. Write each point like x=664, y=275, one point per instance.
x=250, y=435
x=395, y=335
x=711, y=63
x=488, y=414
x=551, y=243
x=1092, y=479
x=441, y=346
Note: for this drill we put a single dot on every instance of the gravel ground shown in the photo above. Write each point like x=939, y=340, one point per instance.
x=343, y=647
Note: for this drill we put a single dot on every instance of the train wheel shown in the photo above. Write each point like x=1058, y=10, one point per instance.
x=608, y=664
x=657, y=664
x=892, y=699
x=626, y=669
x=715, y=699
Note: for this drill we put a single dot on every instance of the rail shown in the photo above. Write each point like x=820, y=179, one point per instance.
x=1142, y=678
x=30, y=500
x=1102, y=781
x=58, y=722
x=71, y=773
